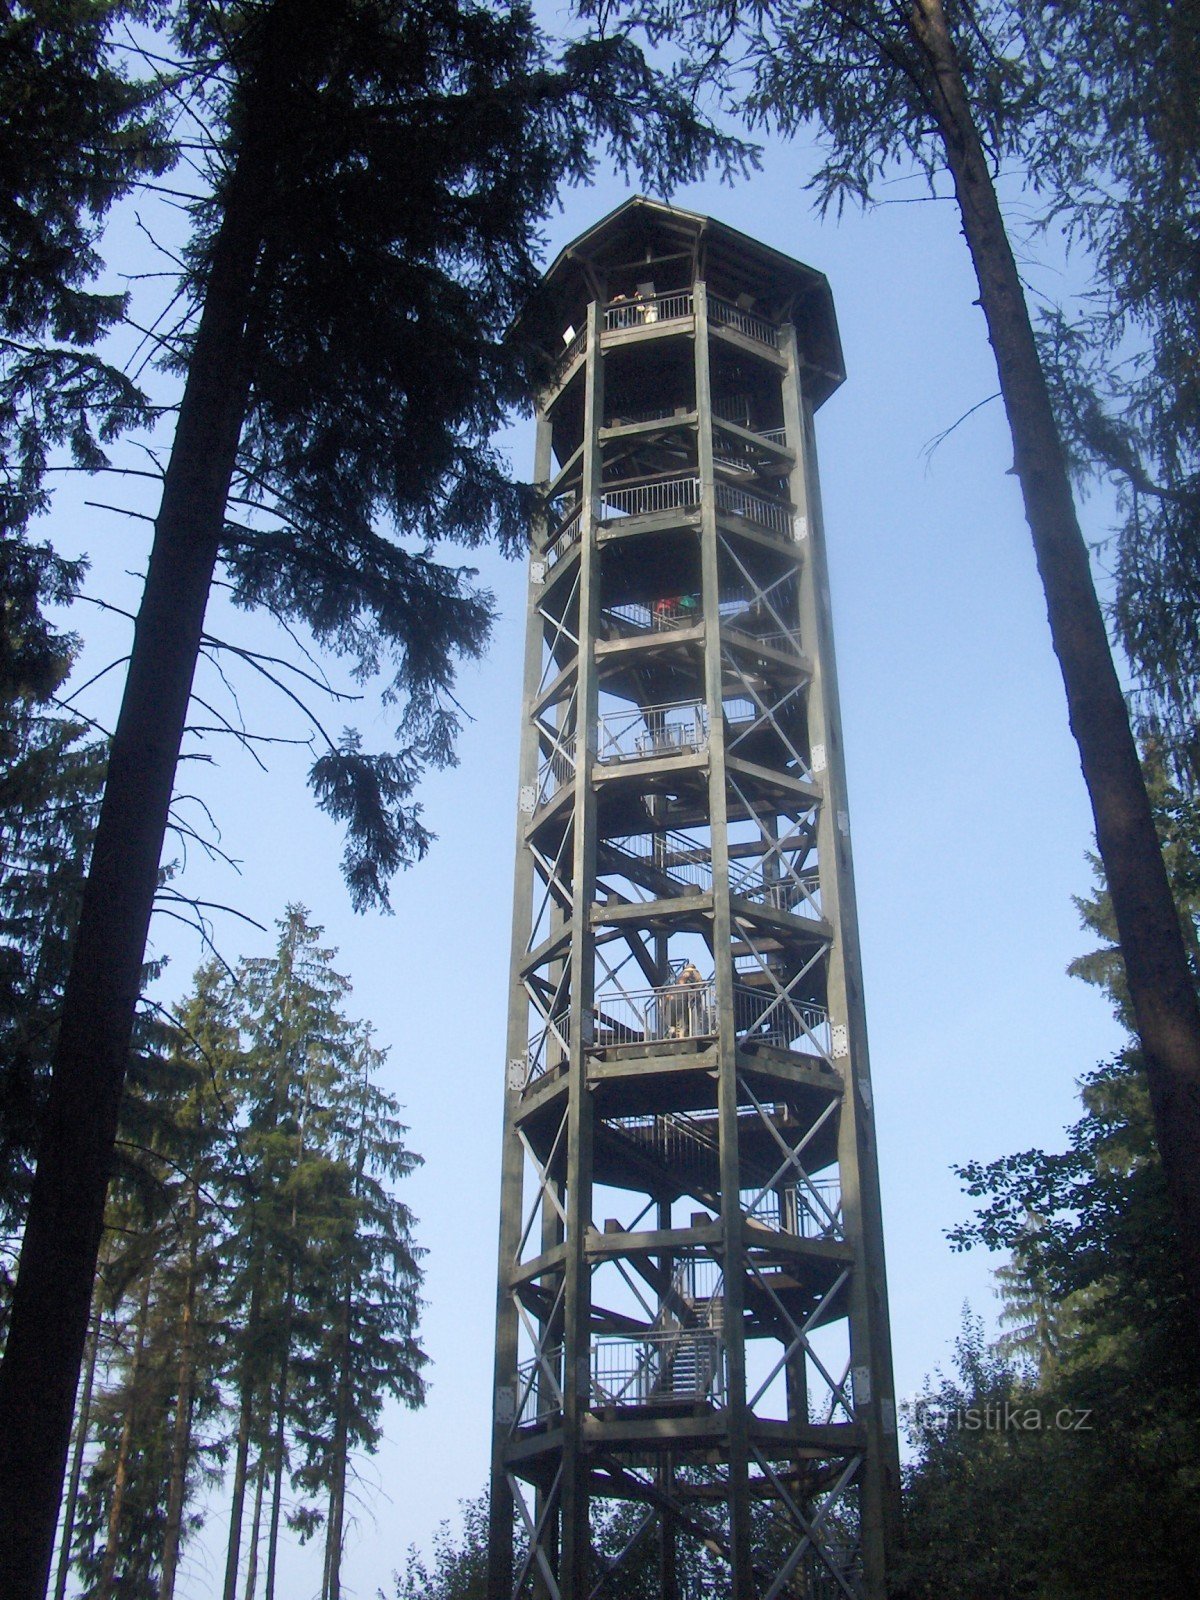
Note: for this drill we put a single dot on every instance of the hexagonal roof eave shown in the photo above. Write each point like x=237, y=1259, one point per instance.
x=793, y=290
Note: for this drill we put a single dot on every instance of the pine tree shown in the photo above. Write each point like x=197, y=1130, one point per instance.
x=77, y=137
x=296, y=1045
x=379, y=172
x=50, y=782
x=367, y=1347
x=78, y=134
x=941, y=88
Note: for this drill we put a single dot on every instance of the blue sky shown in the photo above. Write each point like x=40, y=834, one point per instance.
x=969, y=826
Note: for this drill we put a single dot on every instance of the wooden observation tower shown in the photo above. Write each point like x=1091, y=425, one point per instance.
x=692, y=1338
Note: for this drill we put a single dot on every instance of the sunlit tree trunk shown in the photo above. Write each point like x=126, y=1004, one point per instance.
x=182, y=1432
x=339, y=1447
x=108, y=1568
x=82, y=1419
x=260, y=1480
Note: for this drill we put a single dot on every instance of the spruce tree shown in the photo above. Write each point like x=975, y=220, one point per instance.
x=51, y=776
x=367, y=1307
x=299, y=1067
x=379, y=171
x=77, y=136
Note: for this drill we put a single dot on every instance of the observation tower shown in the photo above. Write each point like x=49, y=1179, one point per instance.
x=692, y=1349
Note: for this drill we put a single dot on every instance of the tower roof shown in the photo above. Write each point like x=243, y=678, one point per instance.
x=645, y=239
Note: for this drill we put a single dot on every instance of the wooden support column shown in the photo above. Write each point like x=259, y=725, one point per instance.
x=506, y=1395
x=870, y=1341
x=575, y=1570
x=732, y=1246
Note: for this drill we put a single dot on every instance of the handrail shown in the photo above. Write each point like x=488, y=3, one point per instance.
x=563, y=539
x=638, y=733
x=743, y=322
x=661, y=1366
x=639, y=311
x=643, y=499
x=666, y=614
x=770, y=514
x=557, y=769
x=673, y=854
x=563, y=365
x=670, y=1011
x=767, y=1016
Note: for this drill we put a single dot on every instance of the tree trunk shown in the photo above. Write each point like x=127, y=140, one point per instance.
x=53, y=1291
x=182, y=1433
x=339, y=1449
x=1160, y=983
x=340, y=1444
x=82, y=1420
x=108, y=1568
x=280, y=1427
x=241, y=1457
x=260, y=1479
x=245, y=1417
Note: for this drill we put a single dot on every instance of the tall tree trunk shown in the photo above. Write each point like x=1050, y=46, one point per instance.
x=241, y=1457
x=249, y=1387
x=280, y=1427
x=82, y=1420
x=339, y=1447
x=1160, y=982
x=52, y=1295
x=260, y=1479
x=108, y=1568
x=340, y=1444
x=181, y=1439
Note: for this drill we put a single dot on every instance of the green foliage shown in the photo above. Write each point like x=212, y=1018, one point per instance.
x=412, y=153
x=851, y=77
x=50, y=781
x=1101, y=1329
x=458, y=1566
x=975, y=1516
x=1116, y=148
x=1085, y=1488
x=77, y=135
x=1177, y=816
x=254, y=1196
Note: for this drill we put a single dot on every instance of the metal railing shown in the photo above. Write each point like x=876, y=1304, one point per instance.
x=643, y=499
x=638, y=733
x=686, y=1144
x=744, y=322
x=663, y=1366
x=661, y=616
x=770, y=514
x=539, y=1392
x=549, y=1043
x=565, y=361
x=669, y=1011
x=797, y=894
x=763, y=1016
x=673, y=854
x=738, y=709
x=809, y=1210
x=557, y=770
x=638, y=311
x=730, y=450
x=563, y=538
